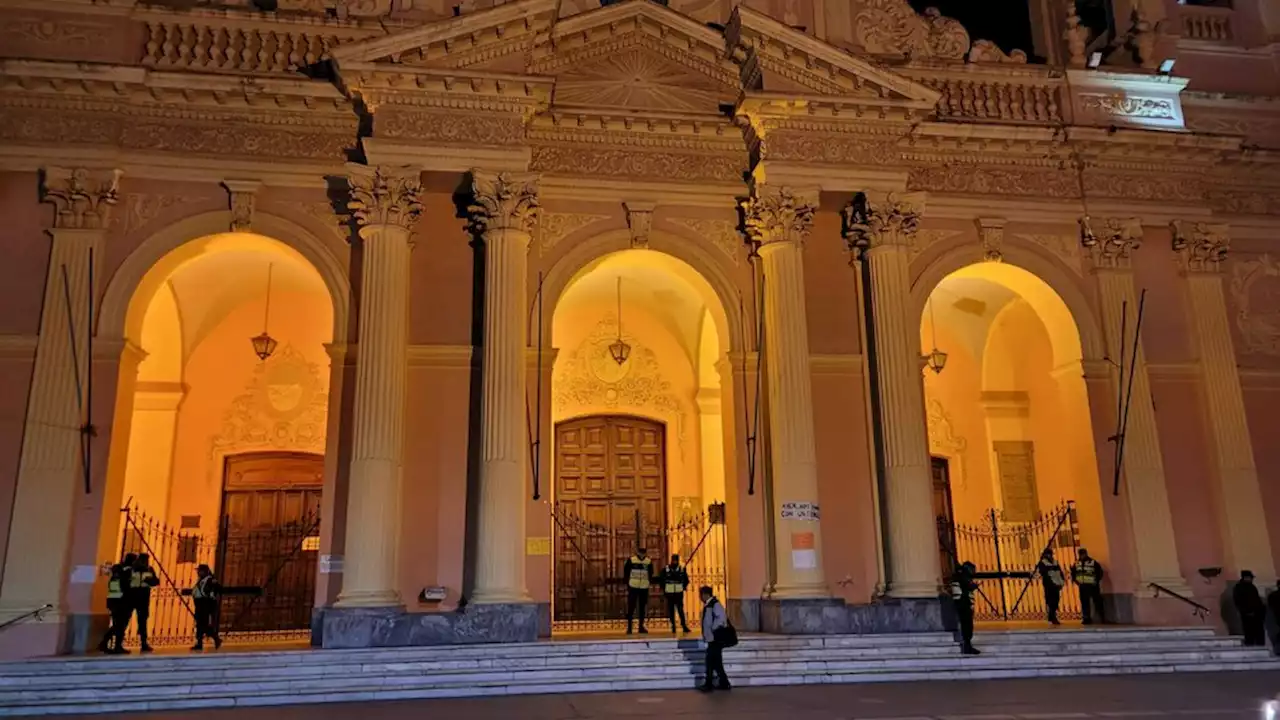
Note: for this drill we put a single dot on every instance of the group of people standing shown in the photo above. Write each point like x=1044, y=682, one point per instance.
x=129, y=587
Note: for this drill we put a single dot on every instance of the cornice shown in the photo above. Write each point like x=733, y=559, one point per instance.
x=670, y=26
x=665, y=194
x=406, y=85
x=18, y=347
x=470, y=28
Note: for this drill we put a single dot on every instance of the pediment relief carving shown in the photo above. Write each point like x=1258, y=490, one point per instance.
x=641, y=77
x=893, y=28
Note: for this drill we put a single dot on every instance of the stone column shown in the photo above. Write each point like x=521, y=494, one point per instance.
x=882, y=235
x=51, y=467
x=385, y=203
x=1201, y=250
x=503, y=214
x=1148, y=501
x=777, y=223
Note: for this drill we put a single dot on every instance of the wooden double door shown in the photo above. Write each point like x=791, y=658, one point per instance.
x=610, y=498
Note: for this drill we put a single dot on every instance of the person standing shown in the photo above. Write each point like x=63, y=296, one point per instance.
x=714, y=624
x=674, y=581
x=1273, y=603
x=1051, y=575
x=1087, y=574
x=118, y=605
x=141, y=580
x=205, y=596
x=1253, y=613
x=962, y=589
x=638, y=571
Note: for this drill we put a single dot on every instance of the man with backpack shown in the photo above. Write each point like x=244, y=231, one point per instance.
x=719, y=634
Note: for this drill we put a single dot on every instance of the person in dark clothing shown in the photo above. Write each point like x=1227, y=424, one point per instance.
x=638, y=570
x=674, y=580
x=204, y=594
x=1051, y=575
x=962, y=589
x=1087, y=574
x=141, y=580
x=1273, y=603
x=713, y=619
x=1253, y=613
x=118, y=605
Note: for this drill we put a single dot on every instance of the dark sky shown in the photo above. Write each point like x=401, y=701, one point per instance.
x=1006, y=23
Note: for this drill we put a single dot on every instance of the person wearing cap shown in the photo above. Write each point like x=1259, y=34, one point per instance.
x=1253, y=613
x=962, y=589
x=205, y=596
x=674, y=581
x=1051, y=576
x=1087, y=575
x=138, y=594
x=118, y=605
x=638, y=570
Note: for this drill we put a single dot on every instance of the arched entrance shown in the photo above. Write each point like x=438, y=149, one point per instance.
x=218, y=452
x=640, y=451
x=1010, y=432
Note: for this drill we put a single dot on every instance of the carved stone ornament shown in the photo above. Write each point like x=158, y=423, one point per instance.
x=892, y=223
x=556, y=226
x=985, y=51
x=1077, y=37
x=943, y=440
x=781, y=216
x=1122, y=105
x=891, y=27
x=243, y=202
x=1255, y=292
x=284, y=406
x=991, y=232
x=640, y=222
x=82, y=198
x=385, y=196
x=503, y=201
x=724, y=234
x=1112, y=242
x=1201, y=247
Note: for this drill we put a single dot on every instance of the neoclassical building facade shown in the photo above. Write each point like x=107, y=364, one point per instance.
x=475, y=296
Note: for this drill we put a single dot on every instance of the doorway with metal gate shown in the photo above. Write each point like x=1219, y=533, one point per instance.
x=610, y=499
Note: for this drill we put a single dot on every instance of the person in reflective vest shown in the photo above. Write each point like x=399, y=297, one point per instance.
x=204, y=594
x=638, y=571
x=1051, y=575
x=962, y=589
x=674, y=581
x=1087, y=575
x=118, y=581
x=138, y=595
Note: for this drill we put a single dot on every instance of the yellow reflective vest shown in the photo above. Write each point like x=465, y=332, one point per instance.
x=139, y=579
x=1086, y=572
x=114, y=591
x=639, y=571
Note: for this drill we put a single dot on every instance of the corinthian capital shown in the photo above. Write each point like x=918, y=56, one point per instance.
x=892, y=223
x=82, y=198
x=776, y=217
x=1201, y=247
x=1112, y=241
x=503, y=201
x=384, y=196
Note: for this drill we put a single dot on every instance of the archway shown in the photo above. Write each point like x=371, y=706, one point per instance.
x=218, y=452
x=640, y=455
x=1010, y=432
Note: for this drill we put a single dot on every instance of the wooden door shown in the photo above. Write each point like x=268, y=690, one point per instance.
x=270, y=540
x=944, y=514
x=610, y=470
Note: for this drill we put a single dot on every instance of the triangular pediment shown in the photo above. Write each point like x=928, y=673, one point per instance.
x=783, y=62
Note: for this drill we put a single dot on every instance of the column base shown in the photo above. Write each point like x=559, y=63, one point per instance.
x=744, y=613
x=394, y=627
x=802, y=592
x=897, y=615
x=913, y=590
x=370, y=599
x=799, y=616
x=499, y=597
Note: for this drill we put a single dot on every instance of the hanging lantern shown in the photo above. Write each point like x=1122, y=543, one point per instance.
x=264, y=346
x=620, y=349
x=936, y=360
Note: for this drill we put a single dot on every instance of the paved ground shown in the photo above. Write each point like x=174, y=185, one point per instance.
x=1227, y=696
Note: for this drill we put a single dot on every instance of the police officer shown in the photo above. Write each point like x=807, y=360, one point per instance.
x=118, y=605
x=205, y=596
x=962, y=589
x=674, y=581
x=638, y=571
x=1051, y=575
x=141, y=580
x=1087, y=575
x=1253, y=613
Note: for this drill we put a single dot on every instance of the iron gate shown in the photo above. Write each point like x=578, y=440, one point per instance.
x=590, y=592
x=1006, y=554
x=268, y=578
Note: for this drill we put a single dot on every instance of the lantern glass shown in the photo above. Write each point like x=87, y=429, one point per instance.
x=264, y=346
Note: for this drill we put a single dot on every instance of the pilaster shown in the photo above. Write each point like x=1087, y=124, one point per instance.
x=1111, y=244
x=385, y=203
x=1201, y=248
x=881, y=234
x=777, y=223
x=503, y=213
x=51, y=465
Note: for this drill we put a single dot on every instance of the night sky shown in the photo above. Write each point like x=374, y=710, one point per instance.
x=1006, y=23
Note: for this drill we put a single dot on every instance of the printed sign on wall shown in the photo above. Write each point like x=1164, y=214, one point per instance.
x=799, y=511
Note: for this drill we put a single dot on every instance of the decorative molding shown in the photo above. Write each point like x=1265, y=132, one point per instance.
x=991, y=233
x=723, y=234
x=852, y=364
x=442, y=356
x=988, y=181
x=384, y=196
x=503, y=201
x=926, y=238
x=1062, y=246
x=1111, y=242
x=943, y=440
x=605, y=162
x=82, y=198
x=985, y=51
x=895, y=222
x=243, y=200
x=1119, y=104
x=1259, y=326
x=891, y=27
x=778, y=216
x=18, y=347
x=284, y=406
x=1202, y=247
x=556, y=226
x=639, y=222
x=141, y=209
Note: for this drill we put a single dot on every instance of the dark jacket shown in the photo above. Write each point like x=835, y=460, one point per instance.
x=1247, y=599
x=963, y=587
x=1051, y=575
x=672, y=576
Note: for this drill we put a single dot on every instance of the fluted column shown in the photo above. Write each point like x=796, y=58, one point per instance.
x=777, y=223
x=385, y=203
x=1201, y=250
x=882, y=235
x=1157, y=554
x=50, y=471
x=503, y=214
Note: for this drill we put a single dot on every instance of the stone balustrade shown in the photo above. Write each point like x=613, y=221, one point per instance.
x=1018, y=94
x=1207, y=23
x=214, y=44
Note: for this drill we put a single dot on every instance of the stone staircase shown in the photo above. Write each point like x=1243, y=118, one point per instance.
x=160, y=682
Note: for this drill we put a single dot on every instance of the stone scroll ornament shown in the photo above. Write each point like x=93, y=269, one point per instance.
x=891, y=27
x=503, y=201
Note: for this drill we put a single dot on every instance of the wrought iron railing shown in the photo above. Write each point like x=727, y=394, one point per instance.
x=38, y=614
x=1197, y=609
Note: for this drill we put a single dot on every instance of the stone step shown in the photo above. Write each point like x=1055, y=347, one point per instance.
x=198, y=696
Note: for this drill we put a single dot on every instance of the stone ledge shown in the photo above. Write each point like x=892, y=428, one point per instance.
x=831, y=616
x=394, y=627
